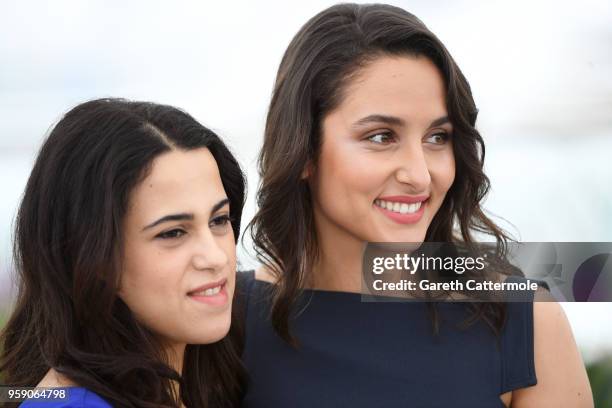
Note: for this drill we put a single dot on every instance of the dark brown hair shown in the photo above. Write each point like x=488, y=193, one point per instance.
x=315, y=70
x=68, y=245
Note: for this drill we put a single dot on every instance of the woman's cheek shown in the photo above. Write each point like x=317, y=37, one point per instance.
x=442, y=171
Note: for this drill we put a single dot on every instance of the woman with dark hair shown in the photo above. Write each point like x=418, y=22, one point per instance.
x=125, y=251
x=370, y=137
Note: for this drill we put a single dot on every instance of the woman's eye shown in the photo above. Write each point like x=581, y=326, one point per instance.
x=172, y=234
x=381, y=138
x=221, y=221
x=438, y=138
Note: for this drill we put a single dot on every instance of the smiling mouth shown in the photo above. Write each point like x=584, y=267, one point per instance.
x=207, y=292
x=214, y=294
x=210, y=289
x=403, y=210
x=397, y=207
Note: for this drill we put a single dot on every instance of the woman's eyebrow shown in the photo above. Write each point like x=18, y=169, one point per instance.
x=440, y=121
x=218, y=206
x=394, y=120
x=378, y=118
x=185, y=216
x=170, y=217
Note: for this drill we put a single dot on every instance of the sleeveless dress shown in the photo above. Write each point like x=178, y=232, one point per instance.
x=355, y=354
x=76, y=397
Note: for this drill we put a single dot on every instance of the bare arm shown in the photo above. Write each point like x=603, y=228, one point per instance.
x=562, y=378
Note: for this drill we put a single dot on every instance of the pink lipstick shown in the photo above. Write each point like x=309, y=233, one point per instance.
x=213, y=293
x=402, y=209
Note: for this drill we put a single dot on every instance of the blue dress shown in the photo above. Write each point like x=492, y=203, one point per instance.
x=76, y=397
x=355, y=354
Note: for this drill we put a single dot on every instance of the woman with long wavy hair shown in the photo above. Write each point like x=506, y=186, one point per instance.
x=370, y=137
x=125, y=254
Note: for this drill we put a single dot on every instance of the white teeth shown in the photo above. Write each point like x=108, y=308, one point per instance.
x=208, y=292
x=402, y=208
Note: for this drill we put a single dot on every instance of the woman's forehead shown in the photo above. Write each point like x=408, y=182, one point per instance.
x=396, y=87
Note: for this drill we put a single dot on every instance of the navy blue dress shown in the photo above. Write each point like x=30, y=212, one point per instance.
x=356, y=354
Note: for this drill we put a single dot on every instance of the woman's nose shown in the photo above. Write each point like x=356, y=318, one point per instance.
x=209, y=255
x=412, y=169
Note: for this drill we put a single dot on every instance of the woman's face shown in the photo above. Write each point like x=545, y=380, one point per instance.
x=386, y=160
x=180, y=256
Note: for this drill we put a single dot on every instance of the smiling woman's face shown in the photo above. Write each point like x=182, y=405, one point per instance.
x=386, y=160
x=179, y=259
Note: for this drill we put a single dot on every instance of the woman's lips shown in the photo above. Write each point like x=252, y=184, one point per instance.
x=405, y=211
x=405, y=198
x=214, y=294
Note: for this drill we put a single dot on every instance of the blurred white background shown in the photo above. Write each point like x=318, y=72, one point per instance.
x=540, y=72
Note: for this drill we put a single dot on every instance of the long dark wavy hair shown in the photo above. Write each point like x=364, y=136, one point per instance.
x=67, y=252
x=320, y=61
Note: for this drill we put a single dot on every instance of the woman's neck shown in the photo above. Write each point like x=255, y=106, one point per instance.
x=175, y=354
x=54, y=379
x=338, y=267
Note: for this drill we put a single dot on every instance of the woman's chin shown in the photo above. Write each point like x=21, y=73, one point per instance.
x=208, y=332
x=401, y=236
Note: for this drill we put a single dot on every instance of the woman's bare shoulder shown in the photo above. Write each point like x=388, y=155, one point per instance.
x=562, y=378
